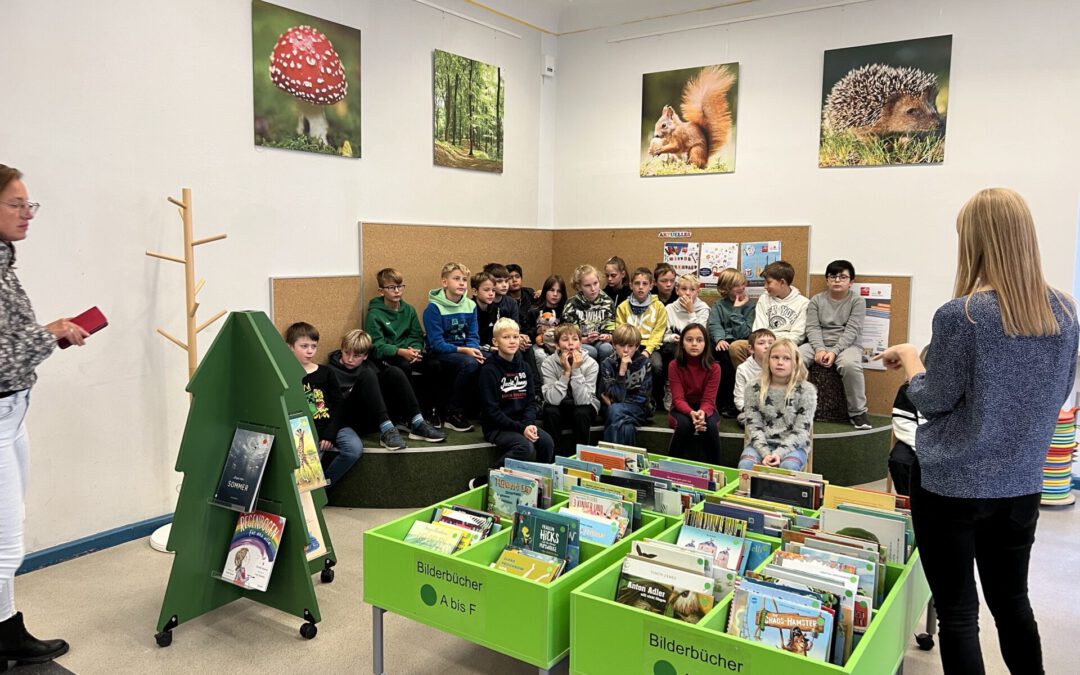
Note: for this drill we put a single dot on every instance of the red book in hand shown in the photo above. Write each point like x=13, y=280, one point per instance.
x=92, y=320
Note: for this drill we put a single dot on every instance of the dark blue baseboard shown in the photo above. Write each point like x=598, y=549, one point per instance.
x=95, y=542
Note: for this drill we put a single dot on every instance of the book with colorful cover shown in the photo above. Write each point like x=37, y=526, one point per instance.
x=506, y=491
x=865, y=570
x=605, y=459
x=253, y=550
x=836, y=495
x=245, y=464
x=699, y=470
x=529, y=564
x=673, y=555
x=573, y=463
x=757, y=552
x=726, y=550
x=794, y=627
x=547, y=485
x=889, y=533
x=840, y=597
x=664, y=590
x=685, y=479
x=595, y=505
x=310, y=474
x=594, y=529
x=315, y=538
x=434, y=536
x=550, y=533
x=642, y=454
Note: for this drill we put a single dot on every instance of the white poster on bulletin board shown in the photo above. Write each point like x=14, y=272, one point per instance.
x=715, y=258
x=875, y=332
x=682, y=255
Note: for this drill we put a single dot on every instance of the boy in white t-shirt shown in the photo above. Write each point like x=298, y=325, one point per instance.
x=750, y=369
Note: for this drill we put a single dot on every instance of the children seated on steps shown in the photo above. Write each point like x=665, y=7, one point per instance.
x=779, y=411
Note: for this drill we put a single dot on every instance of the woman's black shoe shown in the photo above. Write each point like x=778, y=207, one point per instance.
x=18, y=645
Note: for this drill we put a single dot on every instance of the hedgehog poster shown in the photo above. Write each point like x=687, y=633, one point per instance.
x=886, y=103
x=306, y=82
x=688, y=120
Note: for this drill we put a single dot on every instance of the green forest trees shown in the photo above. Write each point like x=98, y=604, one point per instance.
x=468, y=117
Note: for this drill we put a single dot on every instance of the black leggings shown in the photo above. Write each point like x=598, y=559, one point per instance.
x=686, y=438
x=725, y=393
x=995, y=534
x=567, y=415
x=379, y=391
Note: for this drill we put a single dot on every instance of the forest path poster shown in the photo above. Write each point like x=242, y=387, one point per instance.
x=470, y=103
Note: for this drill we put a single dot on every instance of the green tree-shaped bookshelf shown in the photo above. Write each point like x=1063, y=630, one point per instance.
x=248, y=376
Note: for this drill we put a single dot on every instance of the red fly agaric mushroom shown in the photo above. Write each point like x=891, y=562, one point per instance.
x=305, y=65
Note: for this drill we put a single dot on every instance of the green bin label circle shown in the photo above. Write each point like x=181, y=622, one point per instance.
x=663, y=668
x=430, y=597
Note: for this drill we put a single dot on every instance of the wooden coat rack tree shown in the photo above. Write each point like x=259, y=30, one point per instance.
x=191, y=288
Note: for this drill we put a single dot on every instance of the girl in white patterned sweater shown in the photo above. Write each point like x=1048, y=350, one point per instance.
x=779, y=411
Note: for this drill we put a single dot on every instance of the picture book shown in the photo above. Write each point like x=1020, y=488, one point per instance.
x=506, y=491
x=837, y=595
x=716, y=523
x=546, y=484
x=238, y=488
x=836, y=495
x=642, y=453
x=434, y=536
x=608, y=460
x=755, y=520
x=673, y=555
x=726, y=550
x=550, y=533
x=594, y=529
x=253, y=550
x=795, y=628
x=529, y=564
x=664, y=590
x=784, y=490
x=643, y=491
x=608, y=507
x=316, y=546
x=635, y=459
x=865, y=570
x=548, y=474
x=757, y=552
x=699, y=482
x=574, y=463
x=699, y=470
x=889, y=533
x=310, y=474
x=745, y=586
x=669, y=502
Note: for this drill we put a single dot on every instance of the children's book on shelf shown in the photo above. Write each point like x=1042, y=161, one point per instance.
x=434, y=536
x=506, y=491
x=316, y=545
x=799, y=628
x=245, y=464
x=837, y=595
x=598, y=505
x=889, y=533
x=310, y=474
x=529, y=564
x=681, y=594
x=575, y=463
x=474, y=525
x=554, y=534
x=594, y=529
x=253, y=550
x=836, y=495
x=671, y=554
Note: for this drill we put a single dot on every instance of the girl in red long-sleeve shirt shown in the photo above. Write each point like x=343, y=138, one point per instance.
x=694, y=378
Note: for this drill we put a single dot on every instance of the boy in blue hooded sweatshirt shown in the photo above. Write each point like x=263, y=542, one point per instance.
x=450, y=324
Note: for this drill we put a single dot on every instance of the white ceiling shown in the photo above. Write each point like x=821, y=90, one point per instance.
x=564, y=16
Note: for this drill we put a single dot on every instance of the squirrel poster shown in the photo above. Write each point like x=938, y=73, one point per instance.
x=885, y=103
x=688, y=120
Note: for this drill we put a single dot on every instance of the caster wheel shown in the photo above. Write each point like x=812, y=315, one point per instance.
x=308, y=630
x=925, y=641
x=164, y=638
x=327, y=576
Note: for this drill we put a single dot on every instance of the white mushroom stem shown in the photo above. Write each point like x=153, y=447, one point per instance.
x=315, y=116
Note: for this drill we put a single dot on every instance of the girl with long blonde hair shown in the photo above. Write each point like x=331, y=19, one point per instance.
x=1002, y=361
x=779, y=411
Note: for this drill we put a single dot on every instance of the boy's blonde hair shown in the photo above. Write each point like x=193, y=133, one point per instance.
x=356, y=342
x=999, y=248
x=502, y=325
x=798, y=370
x=580, y=273
x=688, y=279
x=565, y=329
x=387, y=276
x=626, y=335
x=451, y=267
x=729, y=279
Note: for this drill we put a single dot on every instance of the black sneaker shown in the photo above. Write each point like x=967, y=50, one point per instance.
x=479, y=481
x=426, y=432
x=861, y=421
x=434, y=419
x=391, y=440
x=457, y=422
x=731, y=412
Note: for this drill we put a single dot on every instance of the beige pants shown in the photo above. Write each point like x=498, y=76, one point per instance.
x=739, y=352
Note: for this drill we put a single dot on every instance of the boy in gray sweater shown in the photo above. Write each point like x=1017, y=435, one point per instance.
x=834, y=323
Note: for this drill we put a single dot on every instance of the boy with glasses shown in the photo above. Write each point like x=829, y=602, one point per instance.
x=834, y=323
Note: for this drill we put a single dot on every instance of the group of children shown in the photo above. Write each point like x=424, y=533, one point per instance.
x=512, y=356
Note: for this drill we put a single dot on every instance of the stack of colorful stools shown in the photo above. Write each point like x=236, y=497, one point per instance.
x=1057, y=471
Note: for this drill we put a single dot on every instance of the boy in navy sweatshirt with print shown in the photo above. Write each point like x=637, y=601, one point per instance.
x=625, y=386
x=508, y=403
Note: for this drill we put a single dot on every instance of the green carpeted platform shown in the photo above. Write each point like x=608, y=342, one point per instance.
x=428, y=472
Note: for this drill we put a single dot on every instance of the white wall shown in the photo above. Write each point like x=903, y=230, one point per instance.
x=110, y=107
x=1013, y=101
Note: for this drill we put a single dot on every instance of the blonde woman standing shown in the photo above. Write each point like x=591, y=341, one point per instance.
x=1002, y=361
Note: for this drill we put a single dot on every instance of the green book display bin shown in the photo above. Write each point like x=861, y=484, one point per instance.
x=461, y=595
x=650, y=644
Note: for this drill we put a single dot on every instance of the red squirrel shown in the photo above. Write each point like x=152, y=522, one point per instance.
x=707, y=123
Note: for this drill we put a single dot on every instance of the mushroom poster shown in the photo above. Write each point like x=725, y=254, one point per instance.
x=307, y=82
x=470, y=102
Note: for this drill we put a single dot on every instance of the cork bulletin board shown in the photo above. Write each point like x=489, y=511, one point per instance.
x=420, y=251
x=331, y=304
x=643, y=247
x=881, y=385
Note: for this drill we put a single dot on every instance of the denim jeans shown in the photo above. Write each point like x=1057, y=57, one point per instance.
x=623, y=419
x=599, y=350
x=516, y=446
x=795, y=461
x=347, y=450
x=995, y=534
x=14, y=465
x=463, y=369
